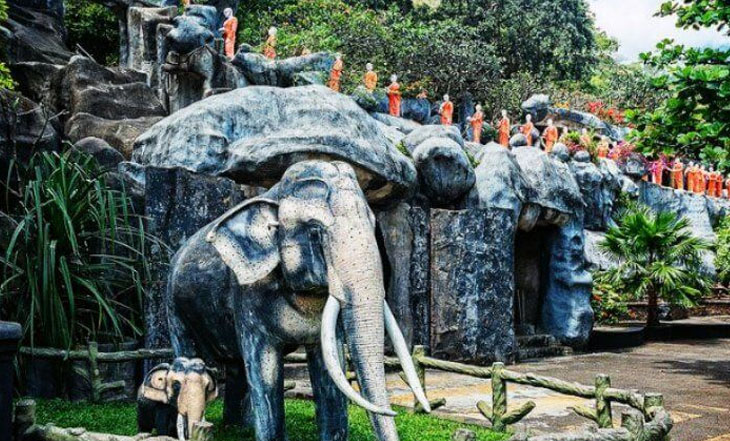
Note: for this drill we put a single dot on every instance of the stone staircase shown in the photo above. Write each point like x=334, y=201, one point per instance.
x=536, y=346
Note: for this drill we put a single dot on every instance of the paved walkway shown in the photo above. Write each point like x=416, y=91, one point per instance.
x=694, y=377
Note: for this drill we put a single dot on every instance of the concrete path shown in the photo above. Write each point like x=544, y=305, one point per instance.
x=694, y=377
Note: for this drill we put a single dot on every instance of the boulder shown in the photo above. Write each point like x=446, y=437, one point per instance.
x=110, y=93
x=561, y=152
x=518, y=140
x=105, y=155
x=34, y=32
x=500, y=184
x=262, y=71
x=120, y=134
x=254, y=134
x=555, y=190
x=24, y=128
x=140, y=49
x=35, y=80
x=416, y=109
x=444, y=170
x=369, y=101
x=403, y=125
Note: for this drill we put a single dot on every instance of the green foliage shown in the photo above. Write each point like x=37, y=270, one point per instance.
x=693, y=118
x=75, y=264
x=609, y=305
x=698, y=14
x=722, y=259
x=6, y=81
x=657, y=258
x=121, y=419
x=94, y=27
x=500, y=51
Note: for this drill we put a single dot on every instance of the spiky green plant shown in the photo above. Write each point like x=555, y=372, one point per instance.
x=657, y=258
x=75, y=264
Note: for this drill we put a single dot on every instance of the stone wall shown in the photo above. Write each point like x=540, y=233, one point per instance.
x=472, y=285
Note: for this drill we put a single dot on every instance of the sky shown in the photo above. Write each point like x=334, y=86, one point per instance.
x=632, y=23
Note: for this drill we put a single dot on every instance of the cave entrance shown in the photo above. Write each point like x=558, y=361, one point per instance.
x=531, y=266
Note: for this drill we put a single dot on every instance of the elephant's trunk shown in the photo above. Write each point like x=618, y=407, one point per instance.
x=191, y=403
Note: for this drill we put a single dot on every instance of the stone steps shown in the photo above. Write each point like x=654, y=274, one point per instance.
x=537, y=346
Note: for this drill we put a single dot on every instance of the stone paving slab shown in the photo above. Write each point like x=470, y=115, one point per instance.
x=694, y=377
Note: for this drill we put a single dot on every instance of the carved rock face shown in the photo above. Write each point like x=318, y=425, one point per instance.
x=192, y=30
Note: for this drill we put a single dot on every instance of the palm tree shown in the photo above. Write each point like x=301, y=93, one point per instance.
x=657, y=257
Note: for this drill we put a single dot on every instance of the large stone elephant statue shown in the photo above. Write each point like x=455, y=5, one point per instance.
x=297, y=266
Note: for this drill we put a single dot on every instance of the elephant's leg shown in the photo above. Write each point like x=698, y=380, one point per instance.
x=264, y=371
x=331, y=404
x=181, y=338
x=236, y=402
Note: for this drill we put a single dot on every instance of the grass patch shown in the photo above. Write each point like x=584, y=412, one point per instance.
x=121, y=419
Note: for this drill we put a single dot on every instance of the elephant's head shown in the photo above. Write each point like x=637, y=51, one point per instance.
x=318, y=227
x=187, y=384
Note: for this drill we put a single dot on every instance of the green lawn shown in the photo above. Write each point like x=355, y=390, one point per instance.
x=120, y=419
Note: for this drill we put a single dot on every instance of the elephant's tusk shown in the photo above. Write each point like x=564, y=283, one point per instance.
x=180, y=427
x=401, y=350
x=330, y=354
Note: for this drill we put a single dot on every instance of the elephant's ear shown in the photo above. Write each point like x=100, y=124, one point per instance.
x=246, y=239
x=155, y=384
x=211, y=392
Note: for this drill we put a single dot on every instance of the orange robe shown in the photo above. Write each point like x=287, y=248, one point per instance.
x=715, y=187
x=394, y=99
x=527, y=131
x=727, y=188
x=678, y=176
x=691, y=179
x=503, y=132
x=270, y=47
x=446, y=111
x=370, y=80
x=701, y=182
x=602, y=151
x=229, y=36
x=335, y=75
x=477, y=121
x=550, y=136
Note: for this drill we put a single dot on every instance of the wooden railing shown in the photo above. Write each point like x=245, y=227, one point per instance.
x=651, y=423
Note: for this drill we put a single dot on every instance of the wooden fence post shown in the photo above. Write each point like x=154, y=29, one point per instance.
x=499, y=397
x=94, y=374
x=604, y=418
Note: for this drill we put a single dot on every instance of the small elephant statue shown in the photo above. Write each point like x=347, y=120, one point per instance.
x=173, y=397
x=296, y=266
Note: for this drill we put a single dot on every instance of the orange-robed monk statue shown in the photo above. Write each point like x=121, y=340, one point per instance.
x=336, y=73
x=477, y=121
x=270, y=45
x=677, y=174
x=603, y=148
x=446, y=110
x=230, y=26
x=393, y=92
x=526, y=129
x=550, y=135
x=503, y=130
x=371, y=78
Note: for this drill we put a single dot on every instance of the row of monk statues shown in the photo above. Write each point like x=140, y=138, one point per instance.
x=695, y=178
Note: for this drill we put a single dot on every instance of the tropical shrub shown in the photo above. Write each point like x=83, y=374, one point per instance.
x=657, y=258
x=74, y=269
x=609, y=305
x=722, y=258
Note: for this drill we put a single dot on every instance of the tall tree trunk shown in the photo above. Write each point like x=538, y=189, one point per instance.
x=652, y=310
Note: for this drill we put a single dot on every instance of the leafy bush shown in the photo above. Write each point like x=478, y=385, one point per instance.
x=75, y=264
x=722, y=259
x=657, y=257
x=94, y=27
x=608, y=303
